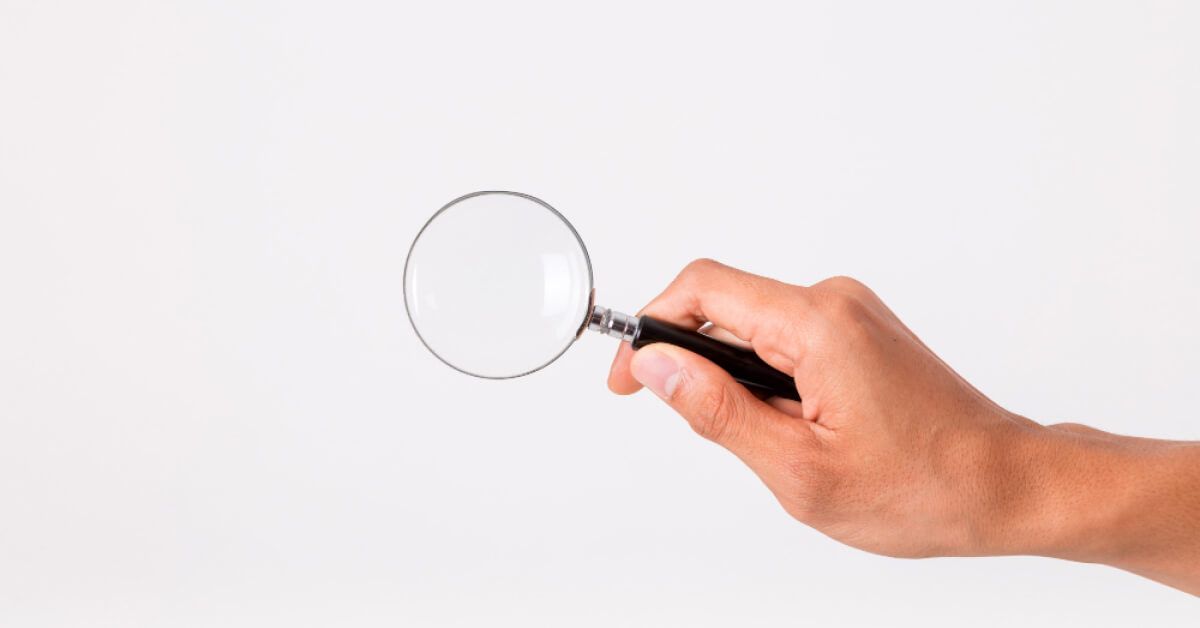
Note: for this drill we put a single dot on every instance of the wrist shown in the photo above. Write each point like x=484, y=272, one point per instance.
x=1062, y=495
x=1083, y=495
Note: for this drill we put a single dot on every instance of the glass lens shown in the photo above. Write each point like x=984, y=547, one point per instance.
x=497, y=284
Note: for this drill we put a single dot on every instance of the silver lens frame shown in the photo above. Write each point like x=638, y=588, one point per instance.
x=578, y=240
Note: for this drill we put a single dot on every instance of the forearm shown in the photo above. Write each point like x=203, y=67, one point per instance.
x=1084, y=495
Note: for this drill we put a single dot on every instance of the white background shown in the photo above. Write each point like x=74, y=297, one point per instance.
x=213, y=411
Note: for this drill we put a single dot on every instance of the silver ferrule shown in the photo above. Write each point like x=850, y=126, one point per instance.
x=611, y=323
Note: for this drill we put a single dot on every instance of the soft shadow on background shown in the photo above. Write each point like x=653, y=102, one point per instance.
x=213, y=410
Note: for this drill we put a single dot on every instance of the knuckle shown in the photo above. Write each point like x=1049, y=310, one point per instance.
x=846, y=314
x=702, y=263
x=697, y=268
x=843, y=282
x=844, y=306
x=849, y=286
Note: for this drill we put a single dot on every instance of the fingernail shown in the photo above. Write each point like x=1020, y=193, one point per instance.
x=656, y=371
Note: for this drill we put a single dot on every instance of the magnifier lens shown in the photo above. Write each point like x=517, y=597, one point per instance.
x=497, y=284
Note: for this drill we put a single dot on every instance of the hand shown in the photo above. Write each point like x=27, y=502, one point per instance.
x=891, y=451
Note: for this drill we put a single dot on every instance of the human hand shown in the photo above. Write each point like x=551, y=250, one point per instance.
x=890, y=451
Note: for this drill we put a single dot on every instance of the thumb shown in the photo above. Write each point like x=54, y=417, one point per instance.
x=717, y=407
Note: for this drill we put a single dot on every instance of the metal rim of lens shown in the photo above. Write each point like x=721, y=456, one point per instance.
x=578, y=240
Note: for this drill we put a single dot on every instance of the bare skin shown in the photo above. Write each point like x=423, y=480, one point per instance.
x=894, y=453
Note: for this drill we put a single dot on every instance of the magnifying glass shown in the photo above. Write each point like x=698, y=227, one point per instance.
x=499, y=285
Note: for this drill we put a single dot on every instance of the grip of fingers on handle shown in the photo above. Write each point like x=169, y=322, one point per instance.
x=743, y=364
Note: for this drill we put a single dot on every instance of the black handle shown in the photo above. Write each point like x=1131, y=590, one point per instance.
x=743, y=364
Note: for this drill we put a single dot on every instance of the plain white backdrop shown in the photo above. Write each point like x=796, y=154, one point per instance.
x=213, y=411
